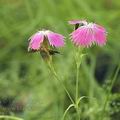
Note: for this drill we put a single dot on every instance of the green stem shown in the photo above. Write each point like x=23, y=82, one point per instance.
x=78, y=62
x=77, y=91
x=70, y=106
x=10, y=117
x=56, y=76
x=77, y=82
x=109, y=91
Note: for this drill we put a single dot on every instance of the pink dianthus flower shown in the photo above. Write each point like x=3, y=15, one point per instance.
x=88, y=34
x=54, y=39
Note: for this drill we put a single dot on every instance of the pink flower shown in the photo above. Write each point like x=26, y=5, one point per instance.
x=73, y=22
x=54, y=39
x=89, y=34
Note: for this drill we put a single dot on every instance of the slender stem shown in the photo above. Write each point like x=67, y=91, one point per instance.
x=10, y=117
x=109, y=91
x=70, y=106
x=77, y=91
x=77, y=82
x=78, y=114
x=78, y=62
x=56, y=76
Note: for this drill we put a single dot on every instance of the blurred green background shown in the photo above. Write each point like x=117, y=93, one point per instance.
x=27, y=89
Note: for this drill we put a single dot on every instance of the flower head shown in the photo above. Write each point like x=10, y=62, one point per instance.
x=46, y=36
x=89, y=34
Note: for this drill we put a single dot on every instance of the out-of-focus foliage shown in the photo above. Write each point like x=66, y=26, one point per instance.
x=27, y=89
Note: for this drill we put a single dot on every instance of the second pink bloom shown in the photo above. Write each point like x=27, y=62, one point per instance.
x=88, y=34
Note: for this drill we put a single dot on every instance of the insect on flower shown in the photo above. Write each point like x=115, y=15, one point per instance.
x=42, y=40
x=88, y=34
x=77, y=23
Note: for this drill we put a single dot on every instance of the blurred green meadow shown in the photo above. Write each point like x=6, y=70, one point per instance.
x=28, y=90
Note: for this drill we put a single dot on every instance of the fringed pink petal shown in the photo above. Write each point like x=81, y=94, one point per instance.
x=55, y=39
x=101, y=28
x=82, y=37
x=36, y=40
x=100, y=35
